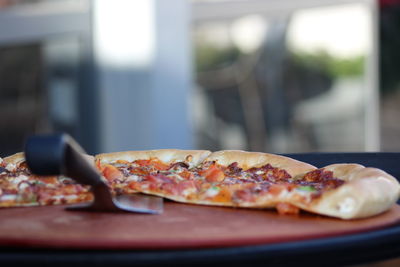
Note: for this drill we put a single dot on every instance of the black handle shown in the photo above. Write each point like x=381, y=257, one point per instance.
x=60, y=154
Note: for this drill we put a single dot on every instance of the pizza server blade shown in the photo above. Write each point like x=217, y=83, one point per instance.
x=61, y=155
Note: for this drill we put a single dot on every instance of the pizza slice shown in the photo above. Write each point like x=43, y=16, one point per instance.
x=164, y=172
x=19, y=187
x=251, y=180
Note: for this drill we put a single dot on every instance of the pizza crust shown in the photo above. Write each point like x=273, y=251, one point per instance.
x=367, y=192
x=191, y=157
x=16, y=159
x=248, y=160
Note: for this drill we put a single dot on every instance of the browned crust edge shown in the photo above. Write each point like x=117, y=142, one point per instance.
x=165, y=155
x=256, y=159
x=15, y=158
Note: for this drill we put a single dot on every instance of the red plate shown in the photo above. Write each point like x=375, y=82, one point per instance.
x=181, y=226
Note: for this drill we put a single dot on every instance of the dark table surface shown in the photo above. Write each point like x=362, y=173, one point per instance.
x=344, y=250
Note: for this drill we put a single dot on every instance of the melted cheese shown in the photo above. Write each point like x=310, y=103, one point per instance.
x=10, y=167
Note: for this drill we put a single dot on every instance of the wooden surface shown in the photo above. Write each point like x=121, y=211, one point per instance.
x=181, y=226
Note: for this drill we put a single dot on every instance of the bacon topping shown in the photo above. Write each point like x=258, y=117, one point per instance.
x=234, y=169
x=321, y=180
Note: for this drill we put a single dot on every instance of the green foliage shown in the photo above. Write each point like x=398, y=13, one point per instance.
x=336, y=67
x=209, y=57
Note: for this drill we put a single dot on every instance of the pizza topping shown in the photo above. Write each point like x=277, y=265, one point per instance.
x=318, y=175
x=153, y=163
x=245, y=195
x=233, y=169
x=276, y=189
x=287, y=209
x=134, y=178
x=320, y=180
x=23, y=185
x=178, y=165
x=189, y=158
x=213, y=174
x=186, y=188
x=111, y=173
x=306, y=188
x=224, y=195
x=10, y=167
x=212, y=191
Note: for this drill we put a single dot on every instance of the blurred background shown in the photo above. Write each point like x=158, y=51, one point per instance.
x=264, y=75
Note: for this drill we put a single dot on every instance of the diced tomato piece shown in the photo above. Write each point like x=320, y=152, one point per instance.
x=139, y=171
x=111, y=173
x=186, y=174
x=160, y=165
x=224, y=195
x=276, y=189
x=287, y=209
x=157, y=164
x=121, y=161
x=213, y=174
x=142, y=162
x=134, y=185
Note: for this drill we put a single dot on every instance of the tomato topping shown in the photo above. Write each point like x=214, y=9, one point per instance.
x=187, y=175
x=111, y=173
x=99, y=166
x=213, y=174
x=157, y=164
x=121, y=161
x=134, y=185
x=138, y=171
x=276, y=189
x=287, y=209
x=224, y=195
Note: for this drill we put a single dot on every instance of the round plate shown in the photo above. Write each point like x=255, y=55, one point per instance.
x=181, y=226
